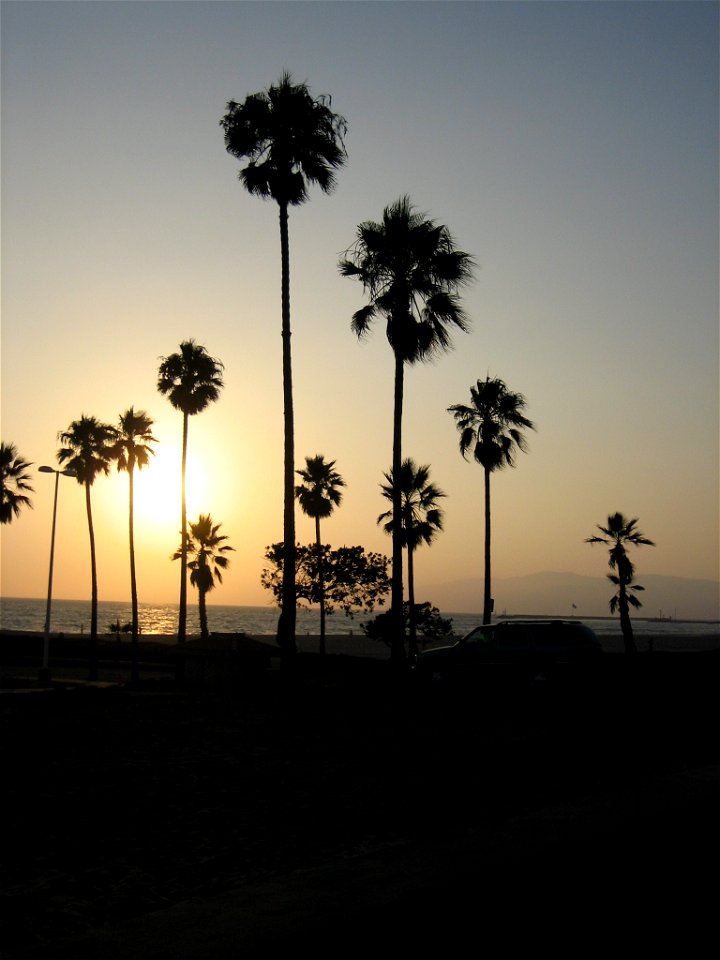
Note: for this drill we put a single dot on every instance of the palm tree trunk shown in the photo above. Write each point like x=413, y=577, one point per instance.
x=321, y=580
x=286, y=622
x=135, y=670
x=487, y=594
x=93, y=657
x=182, y=615
x=625, y=623
x=412, y=645
x=202, y=609
x=396, y=595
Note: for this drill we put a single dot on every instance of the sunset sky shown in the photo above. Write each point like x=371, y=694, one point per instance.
x=571, y=148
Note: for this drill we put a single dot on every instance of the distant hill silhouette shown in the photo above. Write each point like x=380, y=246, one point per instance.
x=550, y=593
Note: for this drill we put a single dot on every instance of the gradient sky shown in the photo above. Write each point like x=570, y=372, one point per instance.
x=571, y=148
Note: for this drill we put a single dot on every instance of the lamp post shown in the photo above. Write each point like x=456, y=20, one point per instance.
x=45, y=671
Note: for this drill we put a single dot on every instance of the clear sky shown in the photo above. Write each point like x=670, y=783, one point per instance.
x=571, y=148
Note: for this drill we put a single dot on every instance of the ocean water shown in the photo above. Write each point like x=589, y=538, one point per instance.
x=73, y=616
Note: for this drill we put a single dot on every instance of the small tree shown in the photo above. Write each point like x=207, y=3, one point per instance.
x=207, y=549
x=354, y=581
x=132, y=449
x=617, y=535
x=190, y=379
x=420, y=517
x=318, y=495
x=431, y=626
x=492, y=426
x=88, y=451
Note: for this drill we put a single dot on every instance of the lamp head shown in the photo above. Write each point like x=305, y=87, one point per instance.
x=66, y=473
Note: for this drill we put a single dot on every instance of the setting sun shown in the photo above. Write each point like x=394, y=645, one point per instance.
x=157, y=490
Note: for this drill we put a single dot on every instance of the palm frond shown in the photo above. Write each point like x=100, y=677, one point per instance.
x=14, y=483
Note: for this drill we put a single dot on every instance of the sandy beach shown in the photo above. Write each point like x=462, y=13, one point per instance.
x=332, y=808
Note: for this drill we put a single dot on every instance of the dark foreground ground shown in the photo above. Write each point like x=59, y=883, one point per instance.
x=334, y=809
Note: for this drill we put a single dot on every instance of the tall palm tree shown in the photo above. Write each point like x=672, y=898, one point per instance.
x=190, y=379
x=132, y=449
x=208, y=549
x=292, y=140
x=492, y=425
x=87, y=450
x=420, y=519
x=14, y=483
x=318, y=495
x=412, y=272
x=618, y=535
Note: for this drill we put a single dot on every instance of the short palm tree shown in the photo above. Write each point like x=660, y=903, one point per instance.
x=87, y=450
x=412, y=272
x=207, y=548
x=14, y=483
x=132, y=449
x=292, y=140
x=618, y=535
x=190, y=379
x=421, y=518
x=318, y=495
x=492, y=427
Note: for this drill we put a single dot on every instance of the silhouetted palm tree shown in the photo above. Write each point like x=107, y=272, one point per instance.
x=208, y=549
x=132, y=449
x=292, y=140
x=318, y=495
x=87, y=451
x=410, y=269
x=14, y=483
x=617, y=535
x=421, y=518
x=190, y=379
x=492, y=426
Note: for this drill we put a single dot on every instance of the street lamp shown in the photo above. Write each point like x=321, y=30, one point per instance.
x=45, y=672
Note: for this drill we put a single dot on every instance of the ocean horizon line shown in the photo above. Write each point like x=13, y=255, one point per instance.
x=28, y=613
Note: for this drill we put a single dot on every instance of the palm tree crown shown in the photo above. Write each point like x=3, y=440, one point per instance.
x=291, y=139
x=87, y=448
x=14, y=482
x=492, y=424
x=421, y=517
x=134, y=436
x=318, y=495
x=412, y=272
x=618, y=535
x=208, y=549
x=190, y=379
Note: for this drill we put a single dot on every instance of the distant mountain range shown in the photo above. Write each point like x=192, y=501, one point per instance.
x=552, y=593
